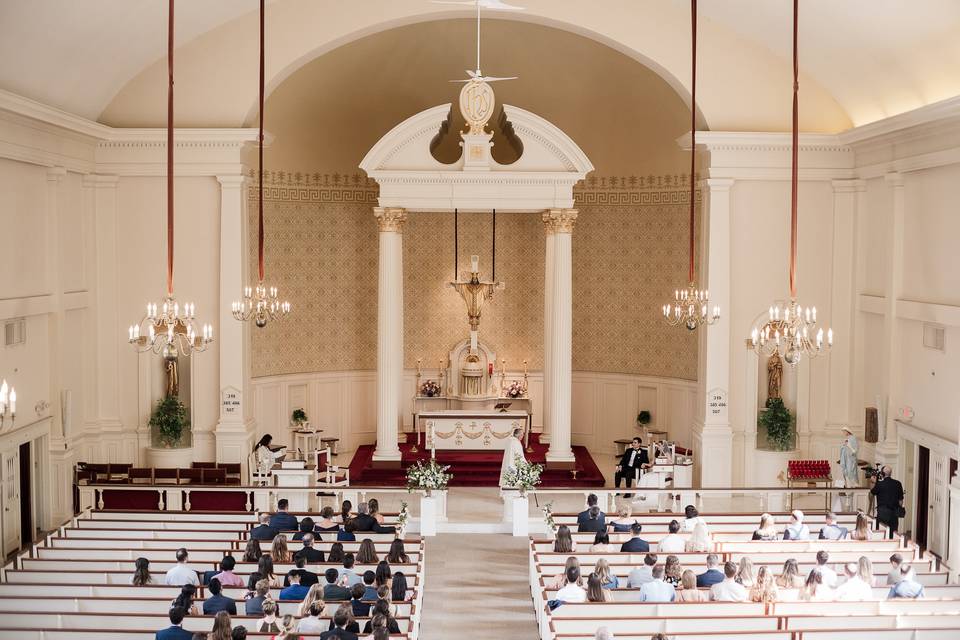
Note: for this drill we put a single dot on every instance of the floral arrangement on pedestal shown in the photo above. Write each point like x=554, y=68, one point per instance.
x=402, y=518
x=429, y=476
x=515, y=390
x=430, y=389
x=548, y=520
x=522, y=475
x=298, y=417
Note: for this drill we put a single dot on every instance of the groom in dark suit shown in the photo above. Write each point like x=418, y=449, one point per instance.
x=634, y=459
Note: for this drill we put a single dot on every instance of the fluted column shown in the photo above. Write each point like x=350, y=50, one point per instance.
x=389, y=331
x=547, y=328
x=559, y=376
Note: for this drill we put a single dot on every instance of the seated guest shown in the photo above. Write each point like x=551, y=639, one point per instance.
x=312, y=622
x=672, y=542
x=254, y=606
x=216, y=601
x=831, y=530
x=239, y=633
x=175, y=631
x=712, y=575
x=623, y=521
x=814, y=590
x=348, y=577
x=181, y=574
x=861, y=530
x=339, y=632
x=633, y=461
x=764, y=588
x=222, y=627
x=184, y=600
x=308, y=553
x=361, y=609
x=644, y=574
x=345, y=509
x=571, y=590
x=593, y=522
x=381, y=610
x=352, y=625
x=672, y=571
x=383, y=574
x=265, y=569
x=688, y=591
x=585, y=514
x=561, y=579
x=305, y=527
x=367, y=554
x=563, y=542
x=252, y=552
x=281, y=520
x=252, y=581
x=657, y=590
x=603, y=633
x=346, y=533
x=307, y=578
x=767, y=530
x=699, y=540
x=397, y=554
x=314, y=594
x=398, y=589
x=333, y=591
x=854, y=589
x=595, y=590
x=141, y=573
x=226, y=576
x=268, y=623
x=336, y=552
x=635, y=543
x=602, y=571
x=827, y=575
x=601, y=543
x=279, y=550
x=907, y=586
x=363, y=521
x=729, y=590
x=369, y=588
x=893, y=577
x=295, y=591
x=373, y=508
x=745, y=572
x=692, y=517
x=796, y=530
x=865, y=570
x=326, y=523
x=790, y=578
x=263, y=531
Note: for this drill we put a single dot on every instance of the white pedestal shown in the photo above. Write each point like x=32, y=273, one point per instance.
x=428, y=516
x=767, y=467
x=163, y=458
x=521, y=517
x=300, y=500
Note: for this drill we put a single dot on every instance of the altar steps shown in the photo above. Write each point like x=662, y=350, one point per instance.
x=472, y=468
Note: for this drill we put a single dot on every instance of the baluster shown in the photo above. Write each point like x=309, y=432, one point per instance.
x=186, y=504
x=249, y=503
x=99, y=494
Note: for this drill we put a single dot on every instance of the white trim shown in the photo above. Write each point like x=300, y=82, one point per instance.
x=916, y=310
x=933, y=442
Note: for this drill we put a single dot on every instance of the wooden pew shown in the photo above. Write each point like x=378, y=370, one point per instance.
x=135, y=621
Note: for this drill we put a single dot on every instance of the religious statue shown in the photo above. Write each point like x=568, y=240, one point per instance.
x=173, y=378
x=774, y=375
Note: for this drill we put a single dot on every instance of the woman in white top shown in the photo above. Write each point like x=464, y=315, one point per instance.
x=699, y=540
x=745, y=572
x=861, y=531
x=672, y=543
x=561, y=579
x=814, y=590
x=265, y=457
x=692, y=518
x=572, y=591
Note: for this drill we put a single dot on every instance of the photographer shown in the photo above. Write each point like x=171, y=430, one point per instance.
x=889, y=493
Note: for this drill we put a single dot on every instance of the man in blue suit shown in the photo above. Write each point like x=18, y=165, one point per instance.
x=175, y=631
x=281, y=520
x=635, y=544
x=712, y=575
x=584, y=516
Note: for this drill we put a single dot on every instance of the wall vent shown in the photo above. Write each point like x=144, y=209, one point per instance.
x=14, y=332
x=934, y=337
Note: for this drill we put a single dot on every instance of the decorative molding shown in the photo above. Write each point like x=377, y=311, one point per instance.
x=390, y=219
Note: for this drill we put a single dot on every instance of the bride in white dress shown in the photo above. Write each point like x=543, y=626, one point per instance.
x=513, y=449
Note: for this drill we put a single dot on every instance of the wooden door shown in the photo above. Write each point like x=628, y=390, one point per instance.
x=939, y=499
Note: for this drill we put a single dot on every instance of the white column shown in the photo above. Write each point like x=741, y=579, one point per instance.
x=389, y=331
x=953, y=527
x=887, y=447
x=235, y=428
x=559, y=377
x=547, y=327
x=712, y=433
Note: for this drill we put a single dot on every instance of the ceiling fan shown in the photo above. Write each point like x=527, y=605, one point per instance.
x=477, y=75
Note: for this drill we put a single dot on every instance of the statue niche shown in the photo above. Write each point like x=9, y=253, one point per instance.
x=470, y=372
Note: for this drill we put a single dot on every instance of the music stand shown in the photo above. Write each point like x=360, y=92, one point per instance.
x=502, y=406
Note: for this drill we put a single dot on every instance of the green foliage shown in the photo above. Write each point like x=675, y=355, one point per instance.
x=779, y=424
x=643, y=417
x=170, y=419
x=428, y=476
x=299, y=416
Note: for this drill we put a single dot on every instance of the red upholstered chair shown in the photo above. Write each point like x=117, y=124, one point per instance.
x=141, y=475
x=166, y=476
x=191, y=476
x=204, y=465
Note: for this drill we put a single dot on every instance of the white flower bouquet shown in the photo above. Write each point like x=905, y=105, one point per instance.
x=515, y=390
x=523, y=475
x=402, y=519
x=547, y=510
x=429, y=476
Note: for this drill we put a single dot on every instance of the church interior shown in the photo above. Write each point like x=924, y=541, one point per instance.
x=479, y=295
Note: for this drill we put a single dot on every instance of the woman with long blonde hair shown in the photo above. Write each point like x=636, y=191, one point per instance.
x=607, y=579
x=767, y=529
x=790, y=578
x=315, y=594
x=688, y=591
x=279, y=550
x=861, y=530
x=865, y=570
x=595, y=590
x=699, y=540
x=561, y=579
x=814, y=590
x=745, y=572
x=764, y=588
x=672, y=571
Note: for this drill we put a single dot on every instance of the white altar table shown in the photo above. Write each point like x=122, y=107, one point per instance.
x=471, y=429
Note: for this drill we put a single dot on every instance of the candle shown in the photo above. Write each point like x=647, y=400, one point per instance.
x=13, y=401
x=475, y=264
x=524, y=367
x=418, y=366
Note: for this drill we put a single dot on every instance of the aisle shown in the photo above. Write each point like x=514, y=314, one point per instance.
x=477, y=587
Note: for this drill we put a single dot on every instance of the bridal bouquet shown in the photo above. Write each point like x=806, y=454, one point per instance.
x=522, y=475
x=428, y=476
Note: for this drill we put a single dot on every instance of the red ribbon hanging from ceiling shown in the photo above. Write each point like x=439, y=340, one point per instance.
x=260, y=152
x=793, y=170
x=170, y=150
x=693, y=132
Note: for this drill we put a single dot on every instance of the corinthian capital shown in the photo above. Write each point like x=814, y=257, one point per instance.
x=390, y=218
x=559, y=220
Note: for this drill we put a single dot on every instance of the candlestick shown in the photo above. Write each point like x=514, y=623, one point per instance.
x=418, y=366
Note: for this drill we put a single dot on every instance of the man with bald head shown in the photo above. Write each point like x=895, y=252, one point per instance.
x=889, y=493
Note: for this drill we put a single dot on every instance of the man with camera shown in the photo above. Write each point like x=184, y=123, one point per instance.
x=889, y=494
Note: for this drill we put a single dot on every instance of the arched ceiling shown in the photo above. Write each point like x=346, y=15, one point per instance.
x=862, y=59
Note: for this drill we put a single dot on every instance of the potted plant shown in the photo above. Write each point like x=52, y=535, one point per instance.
x=643, y=418
x=522, y=475
x=170, y=420
x=429, y=477
x=299, y=417
x=779, y=424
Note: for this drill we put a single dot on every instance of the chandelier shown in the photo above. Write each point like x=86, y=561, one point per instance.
x=260, y=303
x=8, y=404
x=169, y=330
x=791, y=329
x=691, y=306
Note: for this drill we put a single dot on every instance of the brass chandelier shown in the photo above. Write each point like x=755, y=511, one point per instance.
x=791, y=330
x=690, y=306
x=169, y=329
x=260, y=303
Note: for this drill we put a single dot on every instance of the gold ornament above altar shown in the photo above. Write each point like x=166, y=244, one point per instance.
x=475, y=293
x=476, y=104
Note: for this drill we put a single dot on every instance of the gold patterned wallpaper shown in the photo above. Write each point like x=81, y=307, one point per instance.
x=629, y=253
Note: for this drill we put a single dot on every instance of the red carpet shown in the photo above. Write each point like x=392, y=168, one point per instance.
x=473, y=468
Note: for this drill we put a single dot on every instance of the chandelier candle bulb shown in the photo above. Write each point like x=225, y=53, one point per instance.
x=13, y=401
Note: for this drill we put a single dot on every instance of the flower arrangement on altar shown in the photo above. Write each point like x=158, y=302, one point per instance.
x=522, y=475
x=516, y=390
x=429, y=476
x=430, y=389
x=548, y=520
x=402, y=518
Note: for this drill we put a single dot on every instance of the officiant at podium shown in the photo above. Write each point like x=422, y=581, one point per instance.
x=634, y=459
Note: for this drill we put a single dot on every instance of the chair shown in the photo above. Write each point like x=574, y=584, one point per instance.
x=165, y=476
x=213, y=476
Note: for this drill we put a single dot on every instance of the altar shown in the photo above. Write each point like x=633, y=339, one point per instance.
x=475, y=430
